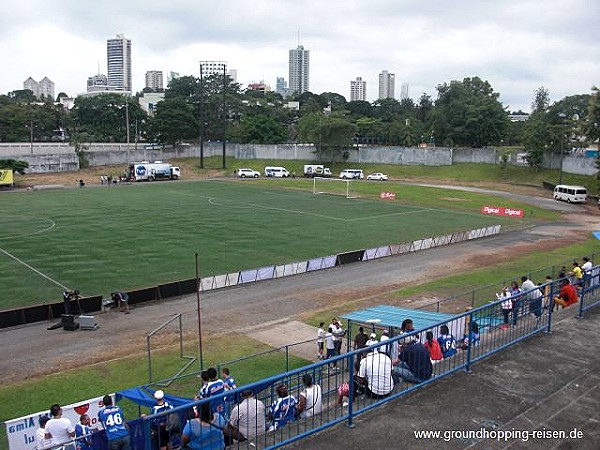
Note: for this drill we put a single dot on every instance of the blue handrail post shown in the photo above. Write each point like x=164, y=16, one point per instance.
x=351, y=391
x=550, y=307
x=581, y=302
x=468, y=365
x=287, y=358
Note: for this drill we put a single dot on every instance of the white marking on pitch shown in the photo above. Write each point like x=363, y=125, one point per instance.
x=44, y=230
x=33, y=269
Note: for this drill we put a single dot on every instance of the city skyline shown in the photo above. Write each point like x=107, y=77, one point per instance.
x=509, y=44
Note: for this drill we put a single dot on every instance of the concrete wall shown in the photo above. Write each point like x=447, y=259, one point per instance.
x=60, y=157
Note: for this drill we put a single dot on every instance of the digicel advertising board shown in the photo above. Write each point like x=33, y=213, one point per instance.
x=500, y=211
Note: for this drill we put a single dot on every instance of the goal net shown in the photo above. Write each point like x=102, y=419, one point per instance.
x=334, y=186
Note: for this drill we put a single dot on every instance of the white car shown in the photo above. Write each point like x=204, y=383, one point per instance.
x=247, y=173
x=377, y=176
x=352, y=174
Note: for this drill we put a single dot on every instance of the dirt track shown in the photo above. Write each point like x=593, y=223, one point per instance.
x=32, y=350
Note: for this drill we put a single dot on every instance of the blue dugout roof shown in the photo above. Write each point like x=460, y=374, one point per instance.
x=384, y=316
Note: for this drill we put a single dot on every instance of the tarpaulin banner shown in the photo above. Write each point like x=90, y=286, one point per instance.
x=501, y=211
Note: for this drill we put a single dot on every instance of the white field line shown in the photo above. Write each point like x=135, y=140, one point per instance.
x=17, y=236
x=20, y=261
x=214, y=201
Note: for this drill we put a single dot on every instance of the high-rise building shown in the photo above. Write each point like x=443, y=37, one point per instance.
x=97, y=83
x=118, y=54
x=387, y=84
x=403, y=91
x=232, y=73
x=282, y=88
x=358, y=90
x=154, y=80
x=208, y=68
x=299, y=70
x=41, y=89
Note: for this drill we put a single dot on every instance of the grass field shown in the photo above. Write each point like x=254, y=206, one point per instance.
x=99, y=240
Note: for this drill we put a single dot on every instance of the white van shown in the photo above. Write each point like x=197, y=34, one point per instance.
x=352, y=174
x=570, y=194
x=276, y=172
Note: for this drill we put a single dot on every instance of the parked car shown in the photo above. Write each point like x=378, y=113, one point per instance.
x=247, y=173
x=350, y=174
x=377, y=176
x=276, y=172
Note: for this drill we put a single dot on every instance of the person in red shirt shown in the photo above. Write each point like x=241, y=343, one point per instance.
x=567, y=295
x=433, y=347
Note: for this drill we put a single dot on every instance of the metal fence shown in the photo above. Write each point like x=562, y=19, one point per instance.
x=343, y=395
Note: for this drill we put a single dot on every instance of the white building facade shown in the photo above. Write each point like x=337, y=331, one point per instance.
x=387, y=85
x=358, y=90
x=154, y=80
x=299, y=70
x=118, y=54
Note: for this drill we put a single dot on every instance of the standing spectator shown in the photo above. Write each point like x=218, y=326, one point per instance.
x=375, y=374
x=507, y=305
x=547, y=292
x=41, y=441
x=228, y=380
x=321, y=341
x=414, y=363
x=214, y=388
x=566, y=297
x=372, y=340
x=202, y=392
x=587, y=271
x=576, y=274
x=361, y=338
x=447, y=342
x=83, y=433
x=112, y=419
x=533, y=296
x=515, y=294
x=338, y=335
x=59, y=428
x=562, y=273
x=283, y=410
x=330, y=343
x=200, y=434
x=385, y=337
x=160, y=424
x=433, y=347
x=248, y=418
x=310, y=402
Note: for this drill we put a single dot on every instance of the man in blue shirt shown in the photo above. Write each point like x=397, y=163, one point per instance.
x=112, y=419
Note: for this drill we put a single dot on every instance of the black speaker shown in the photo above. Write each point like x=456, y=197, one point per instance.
x=68, y=322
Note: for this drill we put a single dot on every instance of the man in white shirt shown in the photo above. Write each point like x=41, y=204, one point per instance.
x=533, y=296
x=247, y=420
x=375, y=372
x=60, y=429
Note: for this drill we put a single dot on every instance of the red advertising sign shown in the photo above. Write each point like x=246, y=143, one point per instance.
x=387, y=195
x=501, y=211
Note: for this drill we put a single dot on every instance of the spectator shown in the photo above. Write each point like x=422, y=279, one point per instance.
x=361, y=338
x=41, y=441
x=566, y=297
x=330, y=346
x=228, y=380
x=507, y=305
x=562, y=273
x=59, y=429
x=375, y=374
x=199, y=434
x=202, y=392
x=447, y=342
x=576, y=274
x=121, y=299
x=385, y=336
x=338, y=335
x=159, y=425
x=310, y=401
x=83, y=433
x=248, y=418
x=547, y=292
x=321, y=341
x=533, y=296
x=112, y=419
x=214, y=388
x=372, y=340
x=587, y=271
x=433, y=347
x=471, y=338
x=414, y=363
x=283, y=410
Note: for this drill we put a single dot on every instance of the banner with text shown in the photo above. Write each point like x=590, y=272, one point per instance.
x=501, y=211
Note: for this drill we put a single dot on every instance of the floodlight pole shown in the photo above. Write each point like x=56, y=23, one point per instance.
x=201, y=118
x=199, y=315
x=224, y=112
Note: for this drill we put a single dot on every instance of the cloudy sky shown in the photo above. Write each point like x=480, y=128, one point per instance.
x=516, y=45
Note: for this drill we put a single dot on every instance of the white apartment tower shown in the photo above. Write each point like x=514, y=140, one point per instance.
x=118, y=54
x=358, y=90
x=41, y=89
x=154, y=80
x=387, y=83
x=299, y=70
x=403, y=91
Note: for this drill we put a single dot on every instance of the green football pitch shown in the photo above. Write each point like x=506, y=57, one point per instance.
x=104, y=239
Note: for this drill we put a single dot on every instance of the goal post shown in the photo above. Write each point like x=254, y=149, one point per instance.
x=334, y=186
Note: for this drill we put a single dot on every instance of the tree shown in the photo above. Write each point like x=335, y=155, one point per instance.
x=14, y=165
x=541, y=100
x=174, y=121
x=331, y=134
x=538, y=139
x=261, y=129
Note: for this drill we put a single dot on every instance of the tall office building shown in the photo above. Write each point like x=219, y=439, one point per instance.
x=154, y=80
x=299, y=70
x=403, y=91
x=282, y=88
x=358, y=90
x=387, y=84
x=118, y=53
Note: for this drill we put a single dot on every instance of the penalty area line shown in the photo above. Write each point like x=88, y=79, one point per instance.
x=33, y=269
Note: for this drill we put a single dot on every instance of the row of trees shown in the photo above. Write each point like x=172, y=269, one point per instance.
x=465, y=113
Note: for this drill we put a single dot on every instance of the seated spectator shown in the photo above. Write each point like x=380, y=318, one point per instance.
x=471, y=338
x=247, y=419
x=567, y=295
x=447, y=342
x=576, y=274
x=283, y=410
x=433, y=347
x=200, y=434
x=83, y=433
x=414, y=363
x=310, y=401
x=372, y=340
x=375, y=374
x=408, y=327
x=41, y=441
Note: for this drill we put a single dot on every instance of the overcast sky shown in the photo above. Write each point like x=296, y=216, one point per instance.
x=516, y=45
